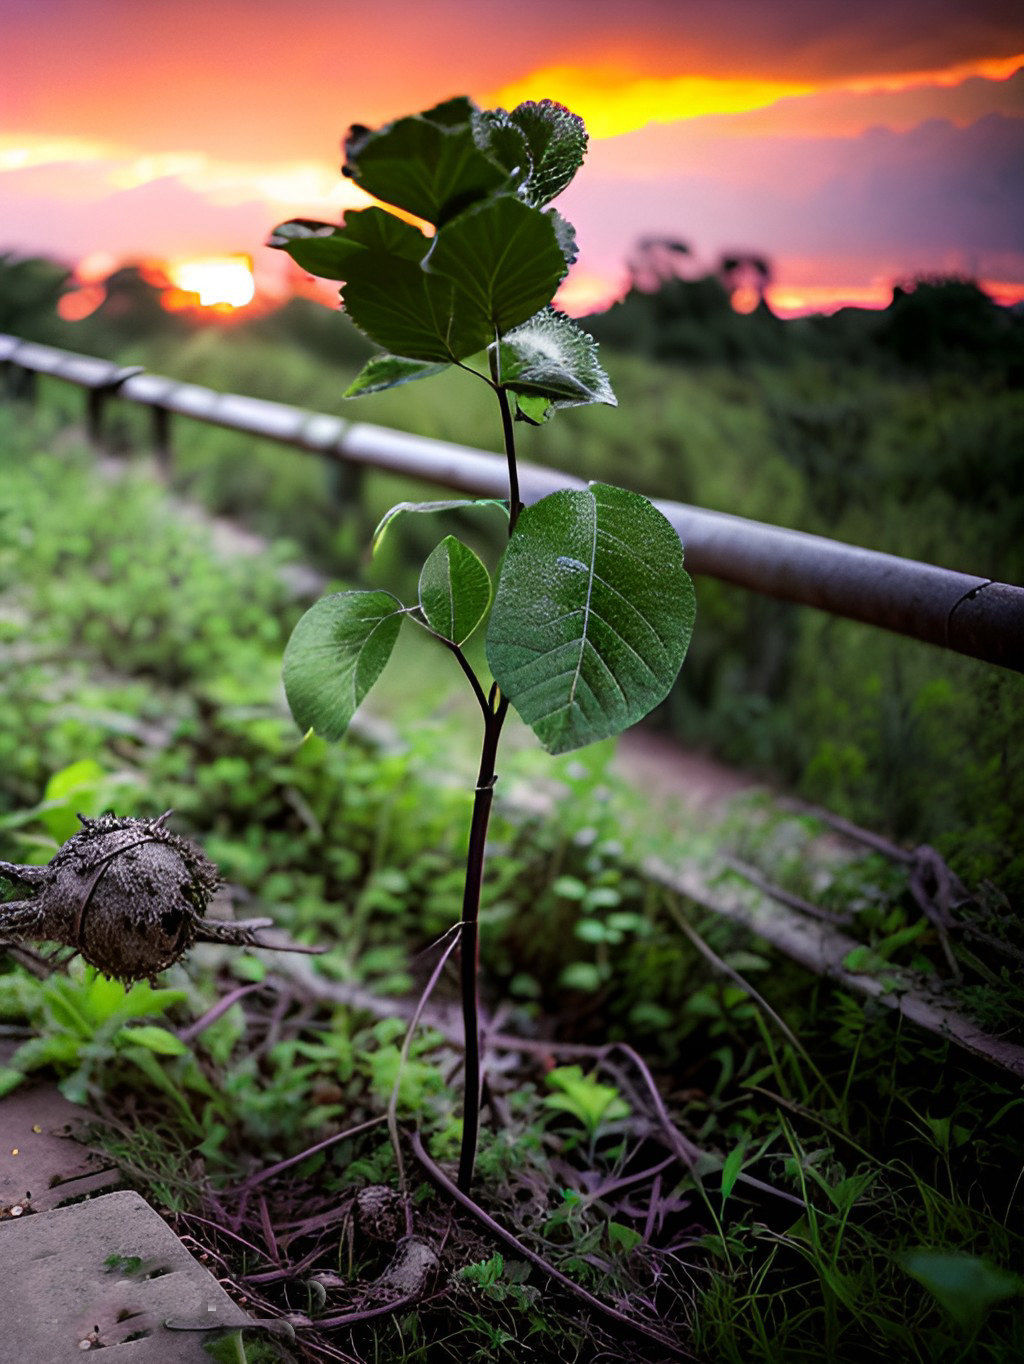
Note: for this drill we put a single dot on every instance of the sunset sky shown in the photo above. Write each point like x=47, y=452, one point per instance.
x=851, y=142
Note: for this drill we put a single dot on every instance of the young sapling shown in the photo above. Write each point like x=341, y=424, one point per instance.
x=591, y=610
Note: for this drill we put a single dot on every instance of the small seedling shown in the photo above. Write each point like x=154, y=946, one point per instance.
x=584, y=1097
x=589, y=613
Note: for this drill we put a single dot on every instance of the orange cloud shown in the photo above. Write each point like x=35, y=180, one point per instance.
x=991, y=68
x=614, y=100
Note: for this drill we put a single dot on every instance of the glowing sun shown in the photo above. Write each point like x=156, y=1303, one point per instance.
x=218, y=281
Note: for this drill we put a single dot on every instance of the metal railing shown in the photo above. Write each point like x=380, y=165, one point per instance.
x=959, y=611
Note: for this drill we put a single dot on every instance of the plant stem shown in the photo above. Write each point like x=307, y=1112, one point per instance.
x=470, y=943
x=515, y=506
x=494, y=711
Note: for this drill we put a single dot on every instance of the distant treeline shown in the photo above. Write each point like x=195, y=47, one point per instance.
x=931, y=323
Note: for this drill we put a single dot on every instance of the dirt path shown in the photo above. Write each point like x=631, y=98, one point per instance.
x=657, y=765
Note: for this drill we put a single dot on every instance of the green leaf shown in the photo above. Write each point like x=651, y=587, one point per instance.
x=965, y=1285
x=455, y=590
x=372, y=232
x=9, y=1080
x=504, y=142
x=451, y=505
x=388, y=371
x=451, y=113
x=427, y=164
x=862, y=960
x=550, y=357
x=409, y=312
x=55, y=1050
x=592, y=616
x=732, y=1167
x=323, y=249
x=580, y=975
x=142, y=1001
x=154, y=1039
x=79, y=787
x=534, y=411
x=333, y=252
x=503, y=256
x=387, y=292
x=334, y=656
x=584, y=1097
x=557, y=141
x=623, y=1238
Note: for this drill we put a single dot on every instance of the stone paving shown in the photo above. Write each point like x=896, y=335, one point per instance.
x=100, y=1271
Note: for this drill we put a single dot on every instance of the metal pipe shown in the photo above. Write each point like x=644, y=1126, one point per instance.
x=959, y=611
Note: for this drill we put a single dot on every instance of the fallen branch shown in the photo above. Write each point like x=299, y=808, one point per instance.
x=784, y=897
x=823, y=950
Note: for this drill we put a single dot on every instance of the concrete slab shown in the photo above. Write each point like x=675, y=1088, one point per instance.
x=106, y=1272
x=41, y=1165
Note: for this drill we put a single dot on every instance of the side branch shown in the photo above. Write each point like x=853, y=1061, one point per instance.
x=474, y=681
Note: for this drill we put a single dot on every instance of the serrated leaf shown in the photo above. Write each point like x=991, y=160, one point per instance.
x=452, y=505
x=592, y=616
x=497, y=135
x=335, y=654
x=455, y=590
x=388, y=371
x=504, y=258
x=550, y=357
x=557, y=140
x=427, y=164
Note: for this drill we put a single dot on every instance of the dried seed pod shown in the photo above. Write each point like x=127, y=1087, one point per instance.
x=379, y=1213
x=129, y=895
